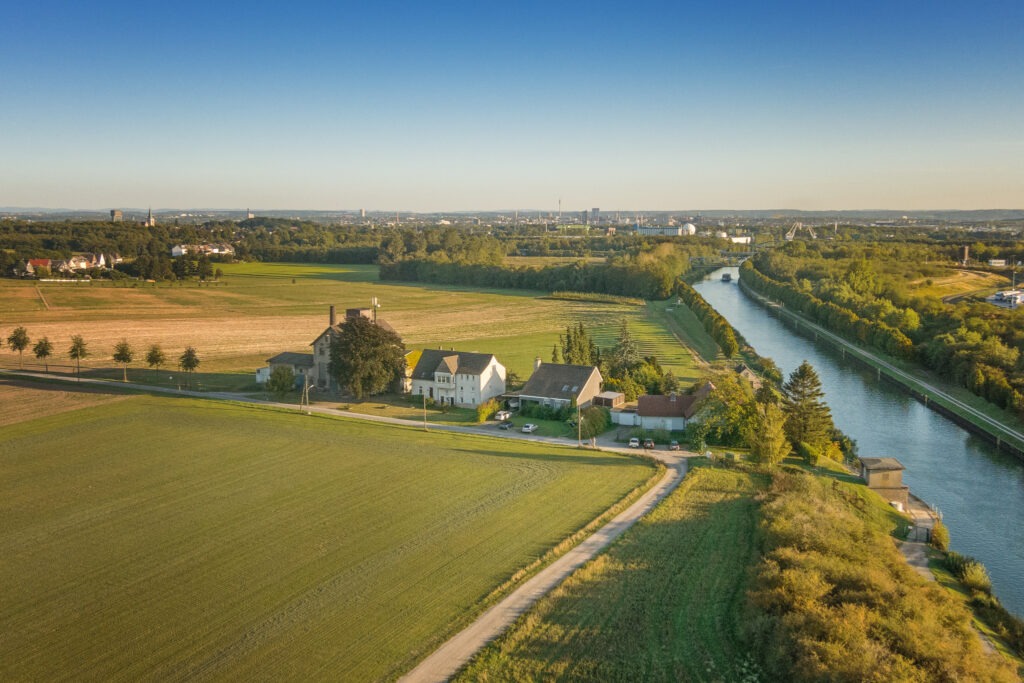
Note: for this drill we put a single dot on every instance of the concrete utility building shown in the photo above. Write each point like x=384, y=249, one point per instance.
x=885, y=476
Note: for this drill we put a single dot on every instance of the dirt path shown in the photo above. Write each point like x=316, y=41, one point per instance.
x=454, y=654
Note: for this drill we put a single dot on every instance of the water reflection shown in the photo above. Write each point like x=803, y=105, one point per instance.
x=979, y=490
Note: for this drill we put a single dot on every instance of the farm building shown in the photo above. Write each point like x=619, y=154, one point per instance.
x=556, y=385
x=458, y=378
x=610, y=399
x=315, y=367
x=671, y=413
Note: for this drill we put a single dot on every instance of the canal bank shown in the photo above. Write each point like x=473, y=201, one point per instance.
x=978, y=489
x=971, y=419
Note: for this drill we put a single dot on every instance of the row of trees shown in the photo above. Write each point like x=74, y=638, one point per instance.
x=123, y=353
x=714, y=323
x=876, y=333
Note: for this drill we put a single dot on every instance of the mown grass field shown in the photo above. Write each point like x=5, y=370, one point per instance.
x=960, y=283
x=158, y=538
x=261, y=309
x=661, y=604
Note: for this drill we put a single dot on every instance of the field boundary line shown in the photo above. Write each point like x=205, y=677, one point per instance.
x=448, y=659
x=42, y=298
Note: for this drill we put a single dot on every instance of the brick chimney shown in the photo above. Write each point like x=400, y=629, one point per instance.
x=332, y=318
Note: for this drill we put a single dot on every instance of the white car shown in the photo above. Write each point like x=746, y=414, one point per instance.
x=634, y=442
x=502, y=415
x=529, y=428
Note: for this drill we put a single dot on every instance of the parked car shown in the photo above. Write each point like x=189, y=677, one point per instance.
x=502, y=415
x=634, y=442
x=529, y=428
x=507, y=424
x=673, y=445
x=648, y=443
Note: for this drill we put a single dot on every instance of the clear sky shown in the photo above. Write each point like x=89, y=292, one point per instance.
x=901, y=104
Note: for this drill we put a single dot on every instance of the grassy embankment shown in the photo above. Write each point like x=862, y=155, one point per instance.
x=743, y=576
x=166, y=538
x=261, y=309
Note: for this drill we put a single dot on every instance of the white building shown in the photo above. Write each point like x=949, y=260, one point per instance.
x=458, y=378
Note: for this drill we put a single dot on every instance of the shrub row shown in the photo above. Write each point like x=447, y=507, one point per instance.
x=714, y=323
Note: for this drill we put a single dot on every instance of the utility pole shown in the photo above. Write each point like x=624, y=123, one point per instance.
x=579, y=428
x=424, y=411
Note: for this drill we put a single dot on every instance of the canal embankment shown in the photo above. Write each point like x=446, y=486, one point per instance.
x=930, y=394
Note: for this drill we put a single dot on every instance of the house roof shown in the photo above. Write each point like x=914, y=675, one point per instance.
x=452, y=362
x=881, y=464
x=39, y=262
x=673, y=405
x=610, y=394
x=289, y=358
x=559, y=381
x=336, y=329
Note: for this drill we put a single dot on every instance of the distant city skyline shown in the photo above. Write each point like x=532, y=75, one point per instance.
x=483, y=107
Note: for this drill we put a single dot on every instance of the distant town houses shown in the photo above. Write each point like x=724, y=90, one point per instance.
x=211, y=249
x=79, y=263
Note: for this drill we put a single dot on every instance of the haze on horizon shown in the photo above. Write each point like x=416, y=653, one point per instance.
x=441, y=107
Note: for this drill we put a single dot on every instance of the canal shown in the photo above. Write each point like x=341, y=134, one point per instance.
x=979, y=490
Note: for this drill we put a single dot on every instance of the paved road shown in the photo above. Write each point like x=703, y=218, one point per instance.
x=928, y=389
x=454, y=654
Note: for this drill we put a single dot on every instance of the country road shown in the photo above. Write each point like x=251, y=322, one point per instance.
x=929, y=390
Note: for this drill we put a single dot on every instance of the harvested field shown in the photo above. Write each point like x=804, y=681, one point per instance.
x=260, y=310
x=29, y=400
x=960, y=283
x=170, y=539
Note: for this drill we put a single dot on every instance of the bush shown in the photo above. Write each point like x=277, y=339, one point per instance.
x=940, y=536
x=594, y=420
x=971, y=573
x=810, y=454
x=485, y=410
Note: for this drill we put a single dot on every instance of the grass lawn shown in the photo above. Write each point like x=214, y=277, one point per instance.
x=960, y=283
x=661, y=604
x=261, y=309
x=168, y=539
x=682, y=321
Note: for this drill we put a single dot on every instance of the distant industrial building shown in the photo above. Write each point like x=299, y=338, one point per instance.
x=116, y=216
x=595, y=216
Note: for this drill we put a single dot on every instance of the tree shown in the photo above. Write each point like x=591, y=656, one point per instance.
x=281, y=381
x=18, y=341
x=155, y=357
x=124, y=355
x=808, y=418
x=188, y=362
x=366, y=358
x=43, y=350
x=626, y=353
x=766, y=434
x=78, y=352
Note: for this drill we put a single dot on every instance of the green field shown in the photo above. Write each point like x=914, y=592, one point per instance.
x=163, y=538
x=261, y=309
x=662, y=604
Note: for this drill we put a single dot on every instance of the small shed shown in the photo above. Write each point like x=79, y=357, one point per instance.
x=885, y=476
x=610, y=399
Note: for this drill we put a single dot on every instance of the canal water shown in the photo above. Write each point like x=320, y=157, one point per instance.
x=979, y=490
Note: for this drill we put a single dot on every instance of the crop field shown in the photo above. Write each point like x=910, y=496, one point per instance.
x=663, y=603
x=27, y=401
x=159, y=538
x=261, y=309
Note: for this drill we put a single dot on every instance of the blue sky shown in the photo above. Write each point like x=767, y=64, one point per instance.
x=462, y=106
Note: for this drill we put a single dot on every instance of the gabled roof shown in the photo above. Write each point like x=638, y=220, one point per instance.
x=336, y=329
x=881, y=464
x=559, y=381
x=452, y=362
x=289, y=358
x=673, y=405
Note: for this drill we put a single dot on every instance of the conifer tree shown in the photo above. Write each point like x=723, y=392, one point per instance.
x=808, y=418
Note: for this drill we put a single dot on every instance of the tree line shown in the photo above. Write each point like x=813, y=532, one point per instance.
x=884, y=302
x=123, y=353
x=717, y=327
